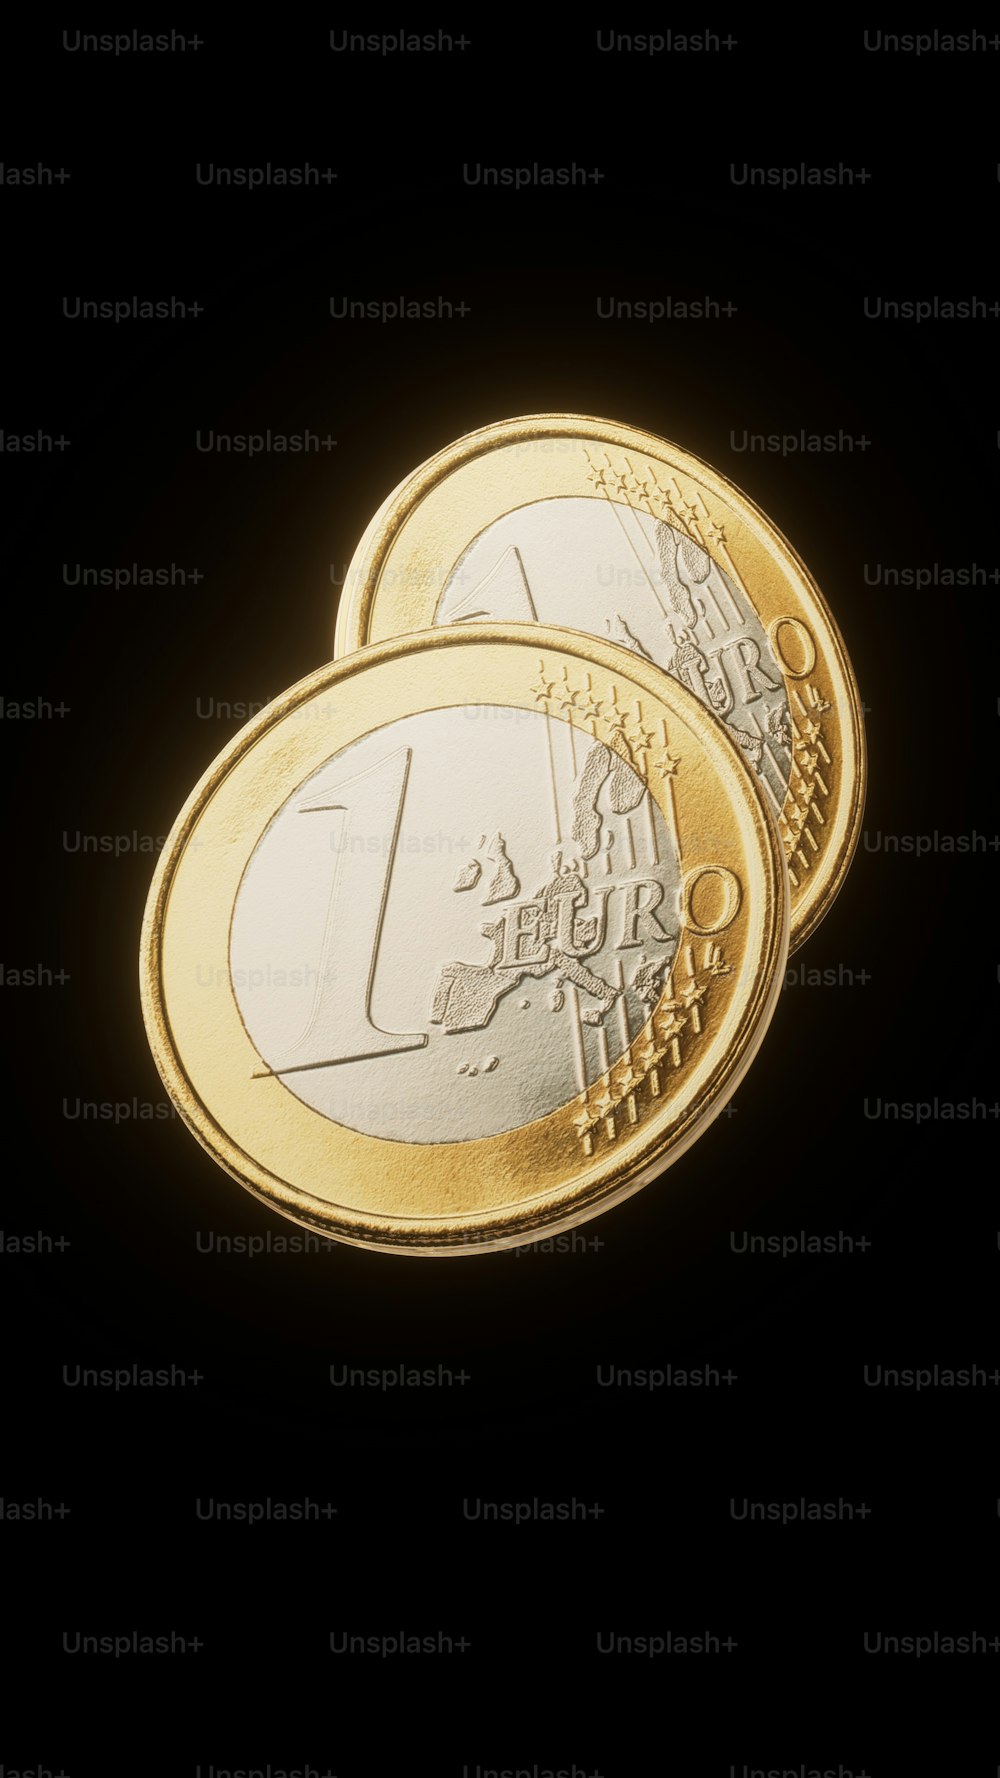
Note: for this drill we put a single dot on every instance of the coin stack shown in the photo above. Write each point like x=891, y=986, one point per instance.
x=498, y=903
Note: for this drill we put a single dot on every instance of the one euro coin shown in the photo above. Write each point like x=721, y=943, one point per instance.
x=464, y=939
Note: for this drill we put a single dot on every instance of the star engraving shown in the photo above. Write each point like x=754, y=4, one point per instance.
x=692, y=992
x=564, y=696
x=640, y=739
x=588, y=706
x=604, y=1105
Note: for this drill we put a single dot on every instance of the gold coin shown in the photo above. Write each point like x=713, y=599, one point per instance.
x=584, y=523
x=464, y=938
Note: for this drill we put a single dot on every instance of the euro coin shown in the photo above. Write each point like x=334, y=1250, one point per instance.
x=584, y=523
x=464, y=939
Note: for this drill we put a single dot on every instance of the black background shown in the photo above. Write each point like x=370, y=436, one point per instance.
x=655, y=1282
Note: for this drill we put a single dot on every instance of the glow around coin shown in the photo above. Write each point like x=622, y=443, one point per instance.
x=584, y=523
x=464, y=939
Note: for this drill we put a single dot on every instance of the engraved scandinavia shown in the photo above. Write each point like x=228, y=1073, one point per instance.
x=577, y=983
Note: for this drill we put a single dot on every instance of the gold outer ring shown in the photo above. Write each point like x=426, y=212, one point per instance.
x=559, y=1170
x=426, y=524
